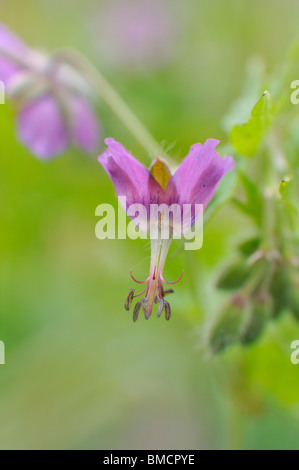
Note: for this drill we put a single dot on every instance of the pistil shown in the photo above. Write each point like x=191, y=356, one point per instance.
x=154, y=291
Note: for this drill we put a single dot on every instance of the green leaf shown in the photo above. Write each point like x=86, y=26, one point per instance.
x=246, y=209
x=235, y=276
x=254, y=203
x=250, y=246
x=247, y=137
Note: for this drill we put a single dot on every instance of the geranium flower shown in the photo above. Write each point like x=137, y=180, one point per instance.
x=51, y=97
x=194, y=182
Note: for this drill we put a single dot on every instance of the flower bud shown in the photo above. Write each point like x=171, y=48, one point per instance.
x=227, y=327
x=280, y=290
x=258, y=316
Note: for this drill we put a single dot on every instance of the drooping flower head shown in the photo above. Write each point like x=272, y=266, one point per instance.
x=51, y=97
x=194, y=182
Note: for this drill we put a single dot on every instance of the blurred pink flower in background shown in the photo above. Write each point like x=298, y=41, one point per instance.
x=52, y=99
x=139, y=33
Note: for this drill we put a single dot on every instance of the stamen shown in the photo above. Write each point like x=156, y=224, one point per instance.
x=145, y=306
x=137, y=295
x=171, y=283
x=168, y=291
x=139, y=282
x=158, y=295
x=167, y=310
x=136, y=311
x=165, y=292
x=129, y=298
x=161, y=308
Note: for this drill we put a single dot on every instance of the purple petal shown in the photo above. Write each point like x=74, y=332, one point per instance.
x=129, y=176
x=12, y=45
x=198, y=176
x=42, y=127
x=181, y=178
x=85, y=125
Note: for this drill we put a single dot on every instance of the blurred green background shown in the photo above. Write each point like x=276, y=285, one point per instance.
x=79, y=374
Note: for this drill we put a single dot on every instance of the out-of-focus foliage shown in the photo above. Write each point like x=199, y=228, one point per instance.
x=264, y=280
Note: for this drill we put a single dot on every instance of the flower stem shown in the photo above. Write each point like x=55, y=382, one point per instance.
x=113, y=100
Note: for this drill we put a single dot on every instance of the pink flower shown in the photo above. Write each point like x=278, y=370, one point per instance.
x=137, y=33
x=51, y=96
x=194, y=182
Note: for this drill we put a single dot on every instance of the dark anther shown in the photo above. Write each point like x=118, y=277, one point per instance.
x=167, y=310
x=145, y=306
x=136, y=311
x=168, y=291
x=129, y=298
x=161, y=307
